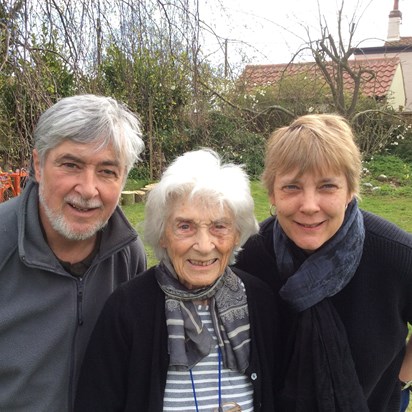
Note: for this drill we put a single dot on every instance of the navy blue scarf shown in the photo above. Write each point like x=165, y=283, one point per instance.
x=321, y=374
x=326, y=271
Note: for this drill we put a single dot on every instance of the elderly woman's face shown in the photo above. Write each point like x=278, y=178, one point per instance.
x=199, y=241
x=310, y=208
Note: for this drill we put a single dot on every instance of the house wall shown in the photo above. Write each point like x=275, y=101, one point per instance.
x=406, y=62
x=397, y=95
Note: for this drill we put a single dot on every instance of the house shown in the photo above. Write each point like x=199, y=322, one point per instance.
x=391, y=65
x=394, y=46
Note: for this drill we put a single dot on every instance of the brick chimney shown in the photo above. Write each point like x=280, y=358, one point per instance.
x=395, y=20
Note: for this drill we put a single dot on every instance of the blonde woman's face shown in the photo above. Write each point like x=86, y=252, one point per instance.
x=310, y=208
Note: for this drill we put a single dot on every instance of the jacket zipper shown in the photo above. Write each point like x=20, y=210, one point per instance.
x=80, y=289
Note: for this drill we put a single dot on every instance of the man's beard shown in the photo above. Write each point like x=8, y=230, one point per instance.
x=60, y=225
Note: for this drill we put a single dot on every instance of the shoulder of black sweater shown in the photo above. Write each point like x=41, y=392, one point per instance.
x=377, y=226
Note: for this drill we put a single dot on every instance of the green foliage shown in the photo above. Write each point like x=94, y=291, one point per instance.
x=231, y=138
x=134, y=183
x=401, y=145
x=227, y=135
x=155, y=85
x=387, y=176
x=139, y=173
x=152, y=82
x=395, y=169
x=27, y=87
x=375, y=129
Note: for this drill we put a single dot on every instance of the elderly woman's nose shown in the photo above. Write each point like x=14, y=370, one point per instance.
x=203, y=239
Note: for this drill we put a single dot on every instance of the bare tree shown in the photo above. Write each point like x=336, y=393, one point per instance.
x=332, y=55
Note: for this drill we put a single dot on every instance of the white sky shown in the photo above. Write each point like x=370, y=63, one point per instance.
x=271, y=31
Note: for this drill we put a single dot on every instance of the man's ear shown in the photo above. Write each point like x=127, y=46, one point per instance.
x=36, y=165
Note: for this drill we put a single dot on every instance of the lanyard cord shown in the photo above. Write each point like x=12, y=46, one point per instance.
x=219, y=353
x=194, y=390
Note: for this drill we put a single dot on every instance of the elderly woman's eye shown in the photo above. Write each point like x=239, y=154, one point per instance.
x=185, y=228
x=220, y=228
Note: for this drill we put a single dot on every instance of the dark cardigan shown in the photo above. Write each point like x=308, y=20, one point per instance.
x=126, y=362
x=374, y=306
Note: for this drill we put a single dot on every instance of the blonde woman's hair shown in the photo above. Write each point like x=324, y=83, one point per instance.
x=321, y=143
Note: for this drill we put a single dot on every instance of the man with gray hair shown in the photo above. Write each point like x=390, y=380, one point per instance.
x=65, y=245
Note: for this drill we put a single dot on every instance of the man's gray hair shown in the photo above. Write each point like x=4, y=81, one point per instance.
x=90, y=119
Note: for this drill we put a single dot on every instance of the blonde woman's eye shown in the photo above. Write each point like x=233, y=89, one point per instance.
x=290, y=188
x=329, y=186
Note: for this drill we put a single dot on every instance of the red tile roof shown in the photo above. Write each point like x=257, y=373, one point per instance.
x=384, y=69
x=403, y=41
x=270, y=74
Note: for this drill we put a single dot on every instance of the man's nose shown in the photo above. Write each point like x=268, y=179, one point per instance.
x=87, y=184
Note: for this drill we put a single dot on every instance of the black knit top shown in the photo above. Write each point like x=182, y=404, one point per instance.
x=374, y=307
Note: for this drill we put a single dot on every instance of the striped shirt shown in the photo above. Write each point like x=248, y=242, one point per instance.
x=180, y=392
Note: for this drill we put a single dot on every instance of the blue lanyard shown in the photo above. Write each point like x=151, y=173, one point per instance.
x=219, y=353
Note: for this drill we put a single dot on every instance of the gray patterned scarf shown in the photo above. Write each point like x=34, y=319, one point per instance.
x=189, y=341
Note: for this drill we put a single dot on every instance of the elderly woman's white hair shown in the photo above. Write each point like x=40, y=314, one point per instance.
x=200, y=174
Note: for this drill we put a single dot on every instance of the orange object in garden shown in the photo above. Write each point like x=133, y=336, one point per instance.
x=11, y=183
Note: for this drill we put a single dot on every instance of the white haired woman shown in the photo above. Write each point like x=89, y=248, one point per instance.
x=189, y=334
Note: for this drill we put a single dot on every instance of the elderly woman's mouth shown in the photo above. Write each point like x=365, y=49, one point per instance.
x=202, y=262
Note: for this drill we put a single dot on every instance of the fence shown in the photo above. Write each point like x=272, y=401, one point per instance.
x=11, y=183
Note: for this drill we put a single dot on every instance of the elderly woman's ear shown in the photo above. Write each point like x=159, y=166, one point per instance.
x=162, y=242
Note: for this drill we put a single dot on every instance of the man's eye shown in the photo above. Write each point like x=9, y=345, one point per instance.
x=109, y=172
x=70, y=165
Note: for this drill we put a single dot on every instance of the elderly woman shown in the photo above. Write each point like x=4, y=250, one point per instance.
x=342, y=276
x=189, y=334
